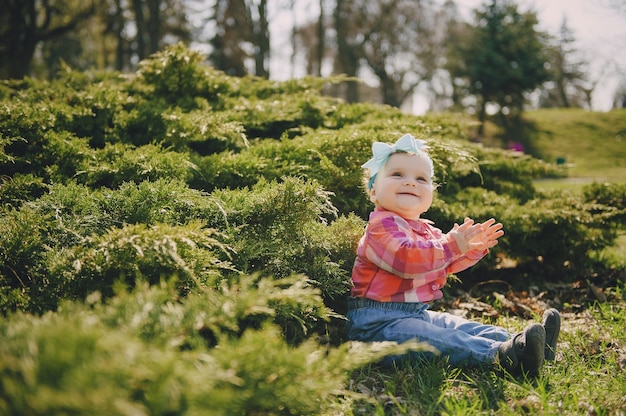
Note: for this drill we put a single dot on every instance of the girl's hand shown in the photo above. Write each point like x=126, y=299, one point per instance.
x=465, y=233
x=488, y=237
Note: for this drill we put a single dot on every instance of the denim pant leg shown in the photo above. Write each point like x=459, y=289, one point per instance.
x=465, y=340
x=461, y=340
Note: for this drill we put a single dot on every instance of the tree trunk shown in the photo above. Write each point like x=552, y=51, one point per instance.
x=140, y=25
x=346, y=54
x=25, y=23
x=118, y=29
x=18, y=38
x=388, y=89
x=154, y=26
x=560, y=83
x=321, y=44
x=262, y=38
x=482, y=116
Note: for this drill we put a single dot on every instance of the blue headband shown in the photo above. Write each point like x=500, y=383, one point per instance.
x=382, y=151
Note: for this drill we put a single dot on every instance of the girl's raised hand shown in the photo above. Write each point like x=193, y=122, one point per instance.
x=488, y=237
x=465, y=233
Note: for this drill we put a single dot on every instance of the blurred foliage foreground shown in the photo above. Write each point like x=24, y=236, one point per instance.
x=180, y=241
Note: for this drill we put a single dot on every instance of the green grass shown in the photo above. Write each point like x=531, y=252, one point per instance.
x=588, y=377
x=593, y=144
x=566, y=184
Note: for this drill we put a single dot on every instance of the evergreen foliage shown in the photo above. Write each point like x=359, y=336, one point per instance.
x=151, y=352
x=181, y=240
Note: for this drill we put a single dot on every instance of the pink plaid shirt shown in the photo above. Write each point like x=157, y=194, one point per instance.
x=402, y=260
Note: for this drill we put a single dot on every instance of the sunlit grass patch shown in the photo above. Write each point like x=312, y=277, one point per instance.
x=588, y=377
x=592, y=145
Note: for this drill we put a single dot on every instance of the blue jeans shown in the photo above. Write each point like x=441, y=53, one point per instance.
x=462, y=341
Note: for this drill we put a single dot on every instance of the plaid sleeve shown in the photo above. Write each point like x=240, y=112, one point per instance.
x=466, y=261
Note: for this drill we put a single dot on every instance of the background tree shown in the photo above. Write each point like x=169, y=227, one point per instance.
x=261, y=32
x=232, y=31
x=26, y=23
x=72, y=49
x=308, y=40
x=448, y=31
x=132, y=31
x=111, y=34
x=398, y=49
x=321, y=38
x=619, y=98
x=502, y=58
x=153, y=21
x=399, y=44
x=240, y=44
x=567, y=73
x=391, y=38
x=114, y=44
x=349, y=46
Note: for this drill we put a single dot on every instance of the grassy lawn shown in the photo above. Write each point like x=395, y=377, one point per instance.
x=587, y=378
x=593, y=145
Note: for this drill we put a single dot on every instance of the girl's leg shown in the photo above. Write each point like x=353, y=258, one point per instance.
x=453, y=337
x=447, y=320
x=460, y=342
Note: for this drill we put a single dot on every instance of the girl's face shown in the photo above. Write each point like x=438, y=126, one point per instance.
x=403, y=186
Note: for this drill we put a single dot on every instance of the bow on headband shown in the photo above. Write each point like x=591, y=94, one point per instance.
x=382, y=151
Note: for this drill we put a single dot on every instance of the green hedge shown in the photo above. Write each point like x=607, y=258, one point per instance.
x=151, y=352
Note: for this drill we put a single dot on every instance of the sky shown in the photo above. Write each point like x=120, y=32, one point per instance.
x=599, y=31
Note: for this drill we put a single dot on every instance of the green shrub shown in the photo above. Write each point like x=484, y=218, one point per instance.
x=6, y=158
x=177, y=77
x=267, y=223
x=71, y=213
x=136, y=252
x=22, y=243
x=20, y=188
x=270, y=118
x=23, y=127
x=555, y=236
x=140, y=124
x=167, y=201
x=147, y=353
x=610, y=199
x=88, y=110
x=68, y=155
x=270, y=109
x=230, y=170
x=168, y=316
x=531, y=229
x=116, y=164
x=333, y=158
x=503, y=172
x=203, y=131
x=346, y=115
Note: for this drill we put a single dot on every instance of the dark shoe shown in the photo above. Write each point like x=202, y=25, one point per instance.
x=552, y=325
x=524, y=352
